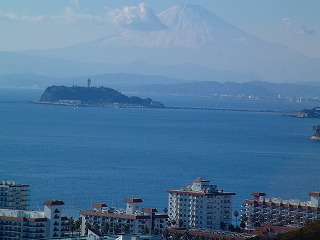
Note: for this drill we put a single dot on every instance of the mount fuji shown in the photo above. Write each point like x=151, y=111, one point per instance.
x=192, y=42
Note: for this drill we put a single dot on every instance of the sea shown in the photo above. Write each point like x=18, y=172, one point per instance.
x=87, y=155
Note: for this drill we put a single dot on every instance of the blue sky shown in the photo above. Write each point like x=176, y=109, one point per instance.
x=38, y=24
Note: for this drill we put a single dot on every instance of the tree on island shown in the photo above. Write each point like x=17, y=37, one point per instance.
x=316, y=128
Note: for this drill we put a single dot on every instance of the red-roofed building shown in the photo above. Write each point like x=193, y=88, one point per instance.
x=53, y=203
x=133, y=219
x=262, y=211
x=26, y=224
x=200, y=205
x=133, y=200
x=16, y=222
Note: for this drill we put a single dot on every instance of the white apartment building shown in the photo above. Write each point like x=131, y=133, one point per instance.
x=276, y=211
x=133, y=219
x=200, y=205
x=24, y=224
x=13, y=195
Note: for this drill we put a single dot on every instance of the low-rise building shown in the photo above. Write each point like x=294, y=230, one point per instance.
x=133, y=219
x=276, y=211
x=24, y=224
x=200, y=205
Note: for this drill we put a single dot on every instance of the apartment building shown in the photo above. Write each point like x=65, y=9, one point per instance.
x=261, y=210
x=132, y=219
x=26, y=224
x=13, y=195
x=200, y=205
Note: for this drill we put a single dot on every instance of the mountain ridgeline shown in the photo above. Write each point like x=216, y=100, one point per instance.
x=191, y=43
x=94, y=96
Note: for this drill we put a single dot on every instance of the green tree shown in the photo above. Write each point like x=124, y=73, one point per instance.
x=165, y=233
x=242, y=224
x=155, y=231
x=96, y=227
x=116, y=228
x=279, y=218
x=185, y=235
x=105, y=228
x=180, y=223
x=71, y=225
x=316, y=128
x=77, y=224
x=176, y=236
x=125, y=228
x=270, y=217
x=231, y=227
x=237, y=229
x=173, y=222
x=87, y=227
x=222, y=225
x=145, y=230
x=287, y=220
x=297, y=217
x=236, y=214
x=260, y=219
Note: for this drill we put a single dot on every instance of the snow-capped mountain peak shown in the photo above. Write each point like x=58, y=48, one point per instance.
x=186, y=26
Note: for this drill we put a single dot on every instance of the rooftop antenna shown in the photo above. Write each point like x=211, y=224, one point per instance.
x=89, y=82
x=38, y=206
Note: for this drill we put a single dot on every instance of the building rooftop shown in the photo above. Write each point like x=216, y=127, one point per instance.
x=53, y=203
x=9, y=183
x=199, y=179
x=201, y=187
x=99, y=205
x=149, y=210
x=314, y=194
x=261, y=198
x=133, y=200
x=21, y=213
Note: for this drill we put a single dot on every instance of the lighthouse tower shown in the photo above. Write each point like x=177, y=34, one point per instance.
x=89, y=82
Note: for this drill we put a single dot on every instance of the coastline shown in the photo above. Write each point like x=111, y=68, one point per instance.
x=115, y=105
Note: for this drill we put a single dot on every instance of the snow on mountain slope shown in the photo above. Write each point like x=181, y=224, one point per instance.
x=186, y=26
x=197, y=37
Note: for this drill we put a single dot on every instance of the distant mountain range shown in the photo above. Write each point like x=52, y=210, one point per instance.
x=193, y=44
x=153, y=84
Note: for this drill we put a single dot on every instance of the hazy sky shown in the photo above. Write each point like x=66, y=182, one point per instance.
x=39, y=24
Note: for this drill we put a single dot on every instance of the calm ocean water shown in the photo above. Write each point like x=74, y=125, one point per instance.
x=87, y=155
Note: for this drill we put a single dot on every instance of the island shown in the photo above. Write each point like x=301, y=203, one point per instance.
x=310, y=113
x=93, y=96
x=316, y=135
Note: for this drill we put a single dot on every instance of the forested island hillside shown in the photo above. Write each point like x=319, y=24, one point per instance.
x=310, y=113
x=94, y=96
